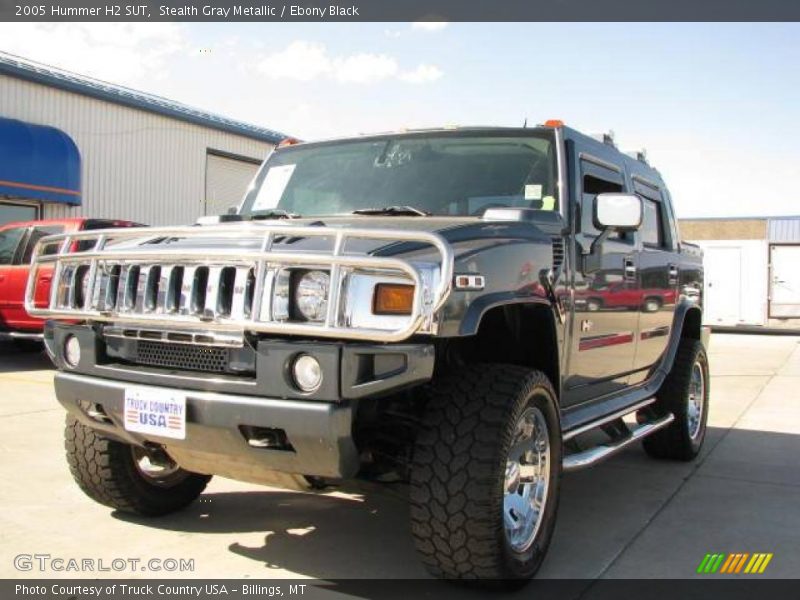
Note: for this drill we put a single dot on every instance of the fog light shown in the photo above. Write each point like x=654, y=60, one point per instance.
x=72, y=351
x=307, y=373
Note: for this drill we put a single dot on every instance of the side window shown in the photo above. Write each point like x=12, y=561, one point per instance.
x=9, y=244
x=652, y=225
x=598, y=180
x=37, y=234
x=653, y=231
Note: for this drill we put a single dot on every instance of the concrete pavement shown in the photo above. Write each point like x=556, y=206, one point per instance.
x=629, y=517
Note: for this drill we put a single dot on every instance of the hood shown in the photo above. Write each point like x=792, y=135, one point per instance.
x=466, y=234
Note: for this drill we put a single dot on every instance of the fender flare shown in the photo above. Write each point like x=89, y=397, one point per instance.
x=471, y=321
x=686, y=309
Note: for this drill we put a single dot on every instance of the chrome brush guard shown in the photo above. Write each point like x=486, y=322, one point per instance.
x=128, y=281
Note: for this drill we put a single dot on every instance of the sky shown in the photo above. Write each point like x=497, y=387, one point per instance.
x=715, y=105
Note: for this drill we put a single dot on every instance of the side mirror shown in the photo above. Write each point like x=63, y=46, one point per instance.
x=621, y=212
x=612, y=212
x=232, y=210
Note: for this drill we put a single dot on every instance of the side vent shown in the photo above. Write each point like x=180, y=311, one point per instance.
x=558, y=253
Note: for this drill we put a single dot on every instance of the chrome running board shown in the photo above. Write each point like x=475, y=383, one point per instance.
x=568, y=435
x=591, y=456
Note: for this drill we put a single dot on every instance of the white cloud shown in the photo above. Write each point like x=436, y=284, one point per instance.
x=429, y=25
x=127, y=53
x=422, y=74
x=301, y=61
x=306, y=61
x=364, y=68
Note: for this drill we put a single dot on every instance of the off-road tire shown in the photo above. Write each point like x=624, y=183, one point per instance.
x=106, y=472
x=458, y=472
x=674, y=442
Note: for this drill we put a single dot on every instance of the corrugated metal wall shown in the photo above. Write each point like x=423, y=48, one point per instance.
x=225, y=180
x=785, y=230
x=136, y=165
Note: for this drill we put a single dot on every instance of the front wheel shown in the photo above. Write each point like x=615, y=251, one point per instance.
x=651, y=305
x=128, y=478
x=485, y=474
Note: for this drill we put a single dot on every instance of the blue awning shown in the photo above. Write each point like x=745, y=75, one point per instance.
x=38, y=163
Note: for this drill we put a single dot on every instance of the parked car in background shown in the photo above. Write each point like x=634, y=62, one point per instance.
x=16, y=245
x=620, y=294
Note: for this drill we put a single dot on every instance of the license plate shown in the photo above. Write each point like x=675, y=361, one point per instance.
x=157, y=412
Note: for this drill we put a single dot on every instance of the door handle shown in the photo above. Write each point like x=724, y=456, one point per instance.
x=673, y=274
x=629, y=269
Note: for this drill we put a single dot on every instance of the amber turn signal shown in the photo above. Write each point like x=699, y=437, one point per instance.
x=393, y=299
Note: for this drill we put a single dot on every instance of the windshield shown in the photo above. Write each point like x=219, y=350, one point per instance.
x=456, y=174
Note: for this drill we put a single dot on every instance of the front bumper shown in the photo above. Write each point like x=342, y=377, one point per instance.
x=319, y=433
x=351, y=370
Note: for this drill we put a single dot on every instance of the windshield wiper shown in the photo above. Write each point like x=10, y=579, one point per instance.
x=393, y=210
x=275, y=213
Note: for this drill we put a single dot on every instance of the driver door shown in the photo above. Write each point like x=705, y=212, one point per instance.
x=605, y=318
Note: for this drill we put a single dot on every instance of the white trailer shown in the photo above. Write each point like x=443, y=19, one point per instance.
x=736, y=282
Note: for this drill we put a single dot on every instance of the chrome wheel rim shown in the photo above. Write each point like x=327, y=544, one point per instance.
x=696, y=401
x=157, y=468
x=527, y=479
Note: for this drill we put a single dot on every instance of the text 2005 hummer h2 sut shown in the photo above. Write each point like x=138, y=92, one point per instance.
x=432, y=306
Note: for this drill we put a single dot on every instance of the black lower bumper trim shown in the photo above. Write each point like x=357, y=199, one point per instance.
x=319, y=432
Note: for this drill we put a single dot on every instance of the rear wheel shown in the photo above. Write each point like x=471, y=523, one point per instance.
x=594, y=304
x=685, y=394
x=128, y=478
x=485, y=474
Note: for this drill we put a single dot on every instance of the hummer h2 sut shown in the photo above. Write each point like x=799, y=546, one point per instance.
x=402, y=307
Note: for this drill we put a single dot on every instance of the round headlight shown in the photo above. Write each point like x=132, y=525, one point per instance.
x=311, y=295
x=72, y=351
x=307, y=373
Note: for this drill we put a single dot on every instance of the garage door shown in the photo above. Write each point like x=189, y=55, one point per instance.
x=227, y=180
x=784, y=290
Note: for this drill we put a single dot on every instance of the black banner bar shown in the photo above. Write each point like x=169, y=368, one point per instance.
x=709, y=588
x=399, y=10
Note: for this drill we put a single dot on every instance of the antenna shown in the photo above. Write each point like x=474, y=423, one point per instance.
x=525, y=124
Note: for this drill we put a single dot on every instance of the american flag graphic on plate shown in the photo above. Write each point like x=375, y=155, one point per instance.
x=156, y=412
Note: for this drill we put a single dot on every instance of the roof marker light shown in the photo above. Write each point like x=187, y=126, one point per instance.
x=554, y=123
x=289, y=141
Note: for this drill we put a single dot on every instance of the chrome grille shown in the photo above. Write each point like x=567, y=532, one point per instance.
x=182, y=356
x=202, y=291
x=156, y=278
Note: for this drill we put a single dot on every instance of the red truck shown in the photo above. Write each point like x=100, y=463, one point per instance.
x=16, y=245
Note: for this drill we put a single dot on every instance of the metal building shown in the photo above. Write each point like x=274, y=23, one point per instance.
x=74, y=146
x=752, y=270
